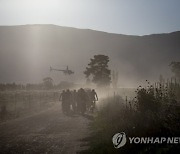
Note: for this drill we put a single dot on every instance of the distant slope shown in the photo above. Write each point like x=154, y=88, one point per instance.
x=26, y=52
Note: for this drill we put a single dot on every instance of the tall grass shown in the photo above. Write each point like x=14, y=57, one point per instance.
x=154, y=112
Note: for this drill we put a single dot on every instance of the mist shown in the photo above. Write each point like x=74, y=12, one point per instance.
x=27, y=52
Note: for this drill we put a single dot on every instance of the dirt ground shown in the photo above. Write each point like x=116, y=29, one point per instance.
x=46, y=132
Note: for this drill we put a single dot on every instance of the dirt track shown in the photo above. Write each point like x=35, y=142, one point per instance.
x=46, y=132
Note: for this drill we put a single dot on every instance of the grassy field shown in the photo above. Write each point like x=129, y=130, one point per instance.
x=15, y=104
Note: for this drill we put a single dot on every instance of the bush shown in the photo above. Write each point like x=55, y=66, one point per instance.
x=154, y=113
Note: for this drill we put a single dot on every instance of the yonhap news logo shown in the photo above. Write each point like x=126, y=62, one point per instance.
x=120, y=139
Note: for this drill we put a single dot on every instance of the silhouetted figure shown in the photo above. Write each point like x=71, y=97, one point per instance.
x=88, y=101
x=93, y=98
x=62, y=98
x=68, y=99
x=81, y=100
x=74, y=101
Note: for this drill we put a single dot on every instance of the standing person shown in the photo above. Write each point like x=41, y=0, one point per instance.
x=62, y=98
x=88, y=101
x=68, y=100
x=81, y=100
x=74, y=101
x=94, y=98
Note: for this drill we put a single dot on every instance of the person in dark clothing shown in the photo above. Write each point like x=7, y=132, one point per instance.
x=94, y=98
x=74, y=101
x=62, y=98
x=68, y=99
x=81, y=100
x=88, y=101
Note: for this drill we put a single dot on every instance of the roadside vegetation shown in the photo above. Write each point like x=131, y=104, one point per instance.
x=154, y=112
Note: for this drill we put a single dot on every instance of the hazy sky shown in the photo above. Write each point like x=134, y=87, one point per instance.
x=135, y=17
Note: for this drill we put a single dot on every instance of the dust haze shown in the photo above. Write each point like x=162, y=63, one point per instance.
x=27, y=52
x=49, y=104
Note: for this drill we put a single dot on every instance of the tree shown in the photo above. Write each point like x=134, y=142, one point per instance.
x=98, y=69
x=175, y=67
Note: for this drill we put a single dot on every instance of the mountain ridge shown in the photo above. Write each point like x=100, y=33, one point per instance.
x=177, y=31
x=26, y=52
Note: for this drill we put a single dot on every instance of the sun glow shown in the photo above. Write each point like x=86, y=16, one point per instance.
x=40, y=11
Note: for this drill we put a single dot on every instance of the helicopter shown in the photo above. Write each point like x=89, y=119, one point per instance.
x=66, y=71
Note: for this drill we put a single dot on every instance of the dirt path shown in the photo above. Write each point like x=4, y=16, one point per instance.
x=46, y=132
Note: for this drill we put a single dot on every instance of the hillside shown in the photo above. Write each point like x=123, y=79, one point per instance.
x=27, y=52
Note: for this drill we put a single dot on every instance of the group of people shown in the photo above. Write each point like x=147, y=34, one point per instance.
x=78, y=101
